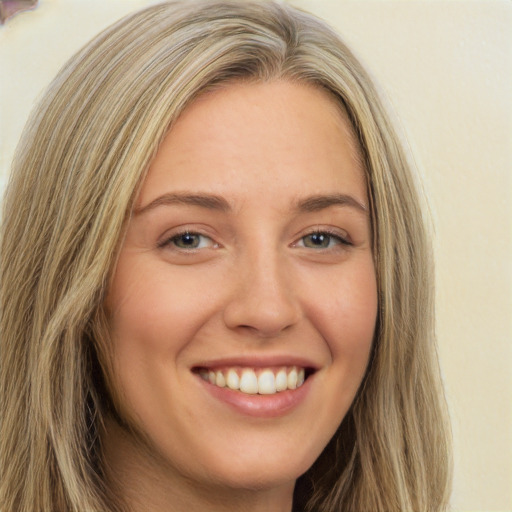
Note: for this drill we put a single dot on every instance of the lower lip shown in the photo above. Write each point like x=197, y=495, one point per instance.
x=260, y=406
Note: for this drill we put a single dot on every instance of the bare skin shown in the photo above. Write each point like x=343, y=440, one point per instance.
x=153, y=492
x=248, y=252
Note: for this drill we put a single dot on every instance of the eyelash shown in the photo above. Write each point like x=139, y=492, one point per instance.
x=331, y=235
x=171, y=241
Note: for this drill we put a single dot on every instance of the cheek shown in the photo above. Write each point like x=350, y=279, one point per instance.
x=149, y=322
x=346, y=315
x=154, y=314
x=155, y=309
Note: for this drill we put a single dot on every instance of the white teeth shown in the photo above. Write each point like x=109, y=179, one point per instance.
x=233, y=381
x=301, y=377
x=281, y=380
x=263, y=381
x=266, y=383
x=249, y=382
x=292, y=379
x=220, y=380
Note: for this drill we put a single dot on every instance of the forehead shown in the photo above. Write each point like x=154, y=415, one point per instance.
x=278, y=137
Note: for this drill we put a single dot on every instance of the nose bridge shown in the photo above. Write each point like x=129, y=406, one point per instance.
x=263, y=299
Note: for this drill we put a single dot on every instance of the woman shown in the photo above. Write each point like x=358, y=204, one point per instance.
x=216, y=280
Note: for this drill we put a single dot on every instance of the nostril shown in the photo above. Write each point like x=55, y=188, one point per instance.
x=263, y=328
x=261, y=308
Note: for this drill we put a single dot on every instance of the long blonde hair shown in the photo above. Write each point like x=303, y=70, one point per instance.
x=75, y=176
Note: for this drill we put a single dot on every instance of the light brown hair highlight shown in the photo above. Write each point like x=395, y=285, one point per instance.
x=76, y=173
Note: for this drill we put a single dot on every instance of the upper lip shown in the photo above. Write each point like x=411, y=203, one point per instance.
x=259, y=361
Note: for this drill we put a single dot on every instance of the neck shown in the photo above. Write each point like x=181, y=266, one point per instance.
x=144, y=484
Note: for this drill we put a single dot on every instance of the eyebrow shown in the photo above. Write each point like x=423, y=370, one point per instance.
x=208, y=201
x=213, y=202
x=321, y=202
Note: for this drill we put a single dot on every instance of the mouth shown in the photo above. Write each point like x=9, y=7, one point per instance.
x=256, y=381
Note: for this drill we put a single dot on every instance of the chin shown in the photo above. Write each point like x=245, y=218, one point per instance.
x=258, y=479
x=260, y=472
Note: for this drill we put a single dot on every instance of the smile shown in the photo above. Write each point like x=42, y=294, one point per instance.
x=262, y=381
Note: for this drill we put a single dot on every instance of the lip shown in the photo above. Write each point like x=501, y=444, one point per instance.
x=258, y=362
x=260, y=406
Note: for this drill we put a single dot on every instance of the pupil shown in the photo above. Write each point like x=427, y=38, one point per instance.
x=187, y=240
x=319, y=239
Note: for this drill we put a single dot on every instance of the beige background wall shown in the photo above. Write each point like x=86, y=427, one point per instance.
x=445, y=68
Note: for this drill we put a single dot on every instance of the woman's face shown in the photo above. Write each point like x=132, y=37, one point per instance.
x=247, y=264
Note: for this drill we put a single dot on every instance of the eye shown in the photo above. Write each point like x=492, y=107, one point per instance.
x=188, y=240
x=322, y=240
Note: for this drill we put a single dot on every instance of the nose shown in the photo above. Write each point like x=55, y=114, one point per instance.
x=263, y=300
